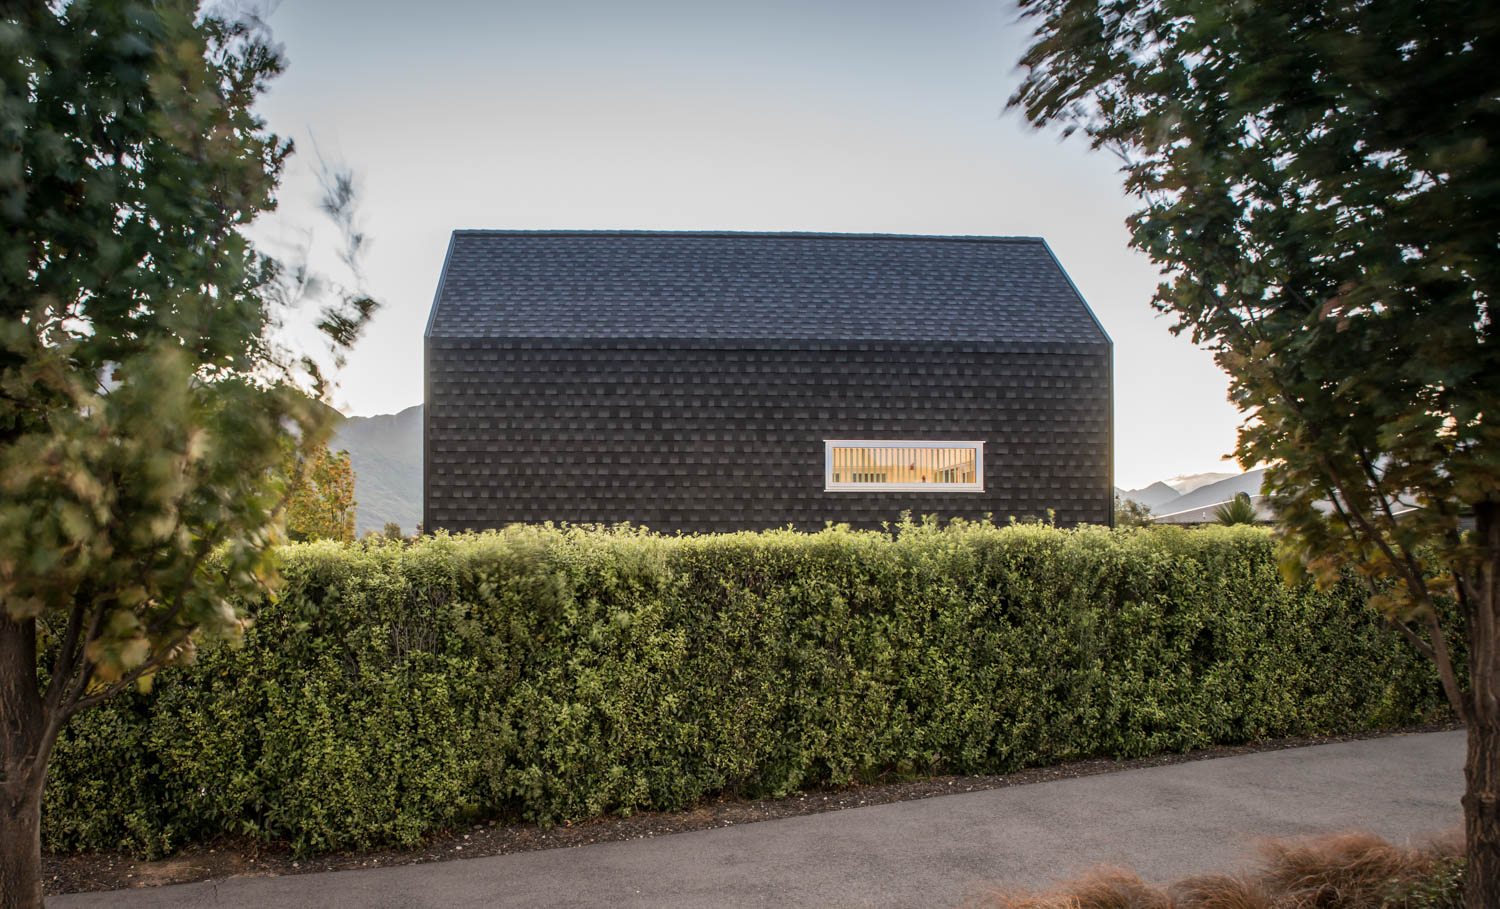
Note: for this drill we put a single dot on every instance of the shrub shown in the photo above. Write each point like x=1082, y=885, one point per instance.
x=552, y=674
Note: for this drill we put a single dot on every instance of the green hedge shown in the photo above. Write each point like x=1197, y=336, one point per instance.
x=549, y=674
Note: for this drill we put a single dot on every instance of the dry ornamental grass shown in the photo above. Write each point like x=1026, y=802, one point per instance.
x=1343, y=871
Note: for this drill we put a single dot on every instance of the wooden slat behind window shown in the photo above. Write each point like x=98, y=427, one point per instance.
x=936, y=464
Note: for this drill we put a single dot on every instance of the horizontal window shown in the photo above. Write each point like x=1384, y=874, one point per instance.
x=872, y=464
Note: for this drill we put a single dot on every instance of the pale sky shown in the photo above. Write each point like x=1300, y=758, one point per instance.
x=814, y=115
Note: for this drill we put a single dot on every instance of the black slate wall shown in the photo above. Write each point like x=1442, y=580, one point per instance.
x=687, y=436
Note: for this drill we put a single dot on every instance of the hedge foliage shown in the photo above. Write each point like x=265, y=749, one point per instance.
x=556, y=674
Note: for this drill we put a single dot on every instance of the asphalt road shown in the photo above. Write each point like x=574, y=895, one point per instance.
x=1165, y=822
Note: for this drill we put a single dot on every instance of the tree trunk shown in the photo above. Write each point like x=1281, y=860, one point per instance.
x=21, y=842
x=24, y=750
x=1482, y=769
x=1482, y=819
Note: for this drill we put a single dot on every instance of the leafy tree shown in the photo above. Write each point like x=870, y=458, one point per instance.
x=1130, y=513
x=143, y=395
x=1320, y=184
x=320, y=495
x=392, y=531
x=1238, y=510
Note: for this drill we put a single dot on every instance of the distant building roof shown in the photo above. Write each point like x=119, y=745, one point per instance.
x=1207, y=514
x=758, y=287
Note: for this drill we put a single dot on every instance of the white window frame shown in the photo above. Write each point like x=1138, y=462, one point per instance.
x=830, y=486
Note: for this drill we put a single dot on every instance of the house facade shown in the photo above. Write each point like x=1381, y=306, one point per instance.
x=727, y=381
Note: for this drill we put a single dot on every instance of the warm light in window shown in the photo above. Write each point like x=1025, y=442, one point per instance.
x=874, y=464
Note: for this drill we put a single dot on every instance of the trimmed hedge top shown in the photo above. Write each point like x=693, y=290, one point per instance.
x=551, y=674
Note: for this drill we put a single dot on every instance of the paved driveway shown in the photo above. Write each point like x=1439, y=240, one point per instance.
x=1166, y=822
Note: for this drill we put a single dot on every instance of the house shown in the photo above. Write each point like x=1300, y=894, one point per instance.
x=1265, y=514
x=727, y=381
x=1209, y=514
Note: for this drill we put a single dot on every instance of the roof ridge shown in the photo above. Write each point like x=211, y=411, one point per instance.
x=746, y=284
x=797, y=234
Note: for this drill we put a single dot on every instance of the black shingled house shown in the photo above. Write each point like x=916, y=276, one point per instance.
x=728, y=381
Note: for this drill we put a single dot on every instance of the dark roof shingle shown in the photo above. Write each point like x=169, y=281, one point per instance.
x=757, y=287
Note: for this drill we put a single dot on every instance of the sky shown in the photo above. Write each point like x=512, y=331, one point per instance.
x=880, y=116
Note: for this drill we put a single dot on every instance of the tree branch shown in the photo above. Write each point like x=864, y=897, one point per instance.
x=1445, y=667
x=155, y=662
x=1416, y=584
x=1376, y=484
x=82, y=667
x=1413, y=637
x=205, y=546
x=64, y=659
x=1438, y=650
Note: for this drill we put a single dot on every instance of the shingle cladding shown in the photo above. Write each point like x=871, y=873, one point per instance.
x=687, y=381
x=768, y=287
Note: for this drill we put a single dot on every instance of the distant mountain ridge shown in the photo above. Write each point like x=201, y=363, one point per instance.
x=386, y=454
x=1194, y=491
x=1153, y=496
x=1189, y=482
x=1214, y=493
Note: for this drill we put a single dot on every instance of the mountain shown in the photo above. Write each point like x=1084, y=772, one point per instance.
x=1191, y=482
x=1215, y=493
x=1153, y=497
x=386, y=454
x=1194, y=491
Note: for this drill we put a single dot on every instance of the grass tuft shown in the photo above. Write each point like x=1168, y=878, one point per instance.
x=1221, y=891
x=1341, y=871
x=1104, y=888
x=1351, y=869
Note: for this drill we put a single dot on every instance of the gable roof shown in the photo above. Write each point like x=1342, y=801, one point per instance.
x=761, y=287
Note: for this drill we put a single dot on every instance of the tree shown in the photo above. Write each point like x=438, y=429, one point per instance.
x=320, y=496
x=1238, y=510
x=1130, y=513
x=1320, y=185
x=143, y=393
